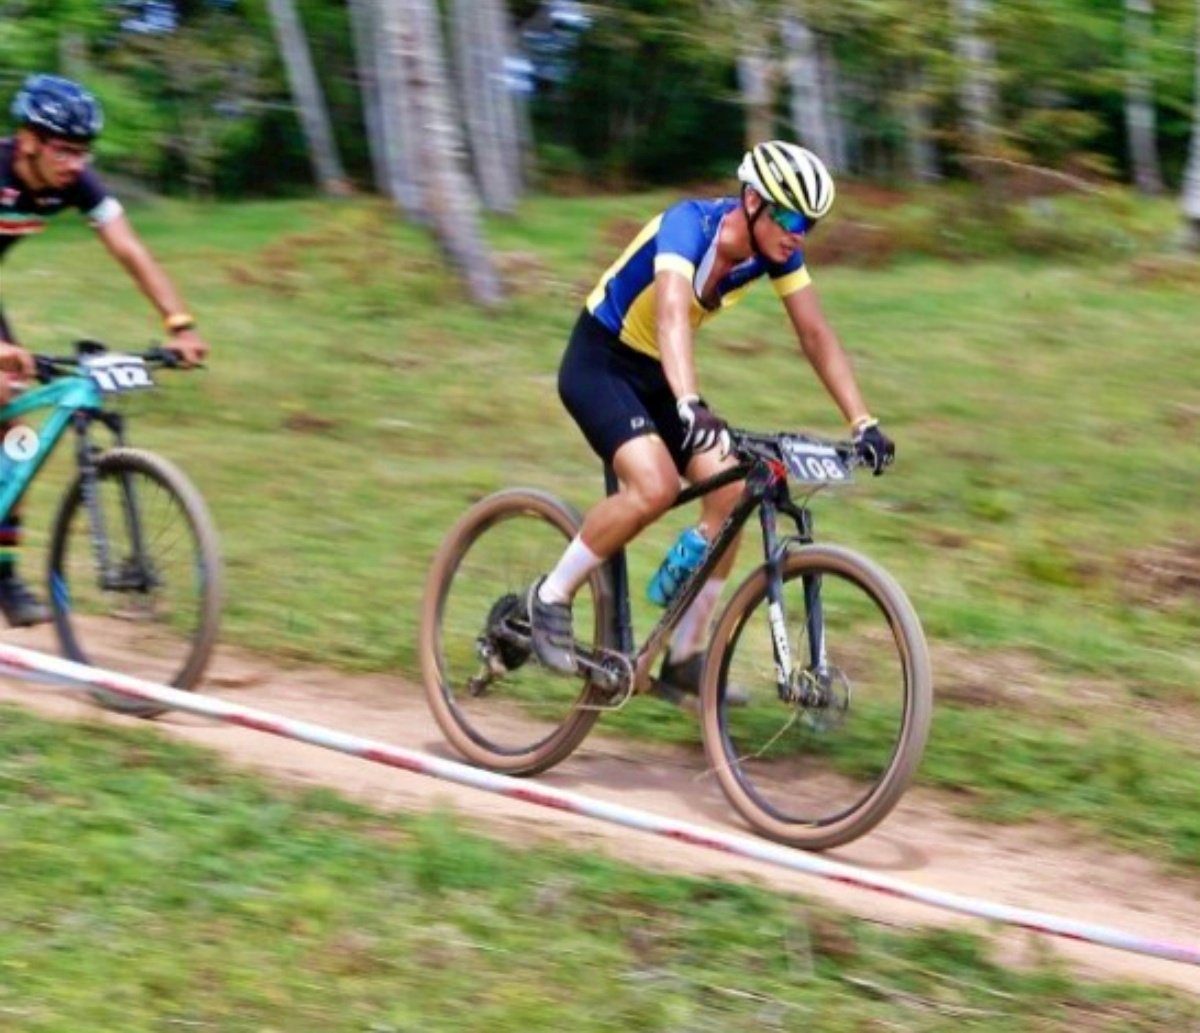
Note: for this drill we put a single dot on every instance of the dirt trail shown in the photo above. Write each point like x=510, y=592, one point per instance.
x=1028, y=866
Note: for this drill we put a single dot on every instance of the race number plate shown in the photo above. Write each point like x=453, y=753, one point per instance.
x=114, y=372
x=814, y=462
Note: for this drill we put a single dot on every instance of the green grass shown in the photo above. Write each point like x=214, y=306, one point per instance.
x=147, y=888
x=1046, y=414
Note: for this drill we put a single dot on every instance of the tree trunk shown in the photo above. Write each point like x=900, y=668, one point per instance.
x=365, y=26
x=1191, y=179
x=809, y=104
x=977, y=94
x=756, y=86
x=1139, y=97
x=481, y=44
x=397, y=121
x=840, y=131
x=306, y=93
x=918, y=125
x=414, y=40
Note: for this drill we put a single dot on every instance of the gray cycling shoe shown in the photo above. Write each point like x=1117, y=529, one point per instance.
x=551, y=632
x=679, y=683
x=21, y=608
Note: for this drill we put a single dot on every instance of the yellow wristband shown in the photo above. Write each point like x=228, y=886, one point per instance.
x=178, y=321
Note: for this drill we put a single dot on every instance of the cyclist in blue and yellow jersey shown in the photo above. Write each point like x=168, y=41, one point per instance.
x=629, y=379
x=44, y=169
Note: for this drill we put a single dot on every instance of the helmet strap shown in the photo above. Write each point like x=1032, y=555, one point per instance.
x=751, y=220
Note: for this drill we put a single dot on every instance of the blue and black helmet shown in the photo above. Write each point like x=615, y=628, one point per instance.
x=59, y=107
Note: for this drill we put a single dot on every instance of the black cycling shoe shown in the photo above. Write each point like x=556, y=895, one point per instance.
x=21, y=608
x=551, y=631
x=679, y=683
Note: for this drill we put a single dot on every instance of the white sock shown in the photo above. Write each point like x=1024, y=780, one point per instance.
x=688, y=637
x=572, y=570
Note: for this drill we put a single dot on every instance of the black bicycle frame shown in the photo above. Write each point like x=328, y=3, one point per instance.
x=765, y=490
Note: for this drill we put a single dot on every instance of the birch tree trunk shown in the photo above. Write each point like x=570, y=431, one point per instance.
x=755, y=84
x=1191, y=179
x=840, y=132
x=977, y=94
x=1140, y=119
x=397, y=121
x=480, y=45
x=414, y=41
x=365, y=28
x=809, y=105
x=918, y=125
x=306, y=92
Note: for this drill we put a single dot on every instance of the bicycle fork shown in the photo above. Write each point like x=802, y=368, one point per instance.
x=109, y=578
x=814, y=621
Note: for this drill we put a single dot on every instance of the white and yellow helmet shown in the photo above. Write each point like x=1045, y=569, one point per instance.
x=790, y=176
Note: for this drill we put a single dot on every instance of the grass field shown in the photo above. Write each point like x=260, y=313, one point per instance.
x=146, y=888
x=1041, y=514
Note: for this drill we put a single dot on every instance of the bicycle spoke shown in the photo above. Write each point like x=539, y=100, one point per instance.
x=823, y=761
x=494, y=700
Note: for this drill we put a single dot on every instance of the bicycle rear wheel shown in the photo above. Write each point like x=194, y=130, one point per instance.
x=826, y=767
x=494, y=702
x=153, y=609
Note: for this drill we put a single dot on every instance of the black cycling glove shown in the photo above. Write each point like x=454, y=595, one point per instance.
x=703, y=429
x=874, y=447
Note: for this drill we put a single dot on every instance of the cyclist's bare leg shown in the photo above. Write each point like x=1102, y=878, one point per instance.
x=649, y=483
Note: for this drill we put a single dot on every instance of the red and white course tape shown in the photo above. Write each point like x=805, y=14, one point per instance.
x=39, y=667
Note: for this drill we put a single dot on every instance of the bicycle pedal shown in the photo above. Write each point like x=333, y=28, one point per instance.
x=609, y=671
x=688, y=702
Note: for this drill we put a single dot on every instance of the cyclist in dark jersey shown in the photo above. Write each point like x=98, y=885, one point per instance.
x=629, y=379
x=44, y=169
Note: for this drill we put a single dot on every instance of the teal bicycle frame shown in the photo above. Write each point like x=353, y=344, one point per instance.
x=73, y=401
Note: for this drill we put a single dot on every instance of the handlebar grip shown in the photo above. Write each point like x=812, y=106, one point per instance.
x=160, y=354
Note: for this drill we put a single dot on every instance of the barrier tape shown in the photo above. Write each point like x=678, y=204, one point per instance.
x=29, y=665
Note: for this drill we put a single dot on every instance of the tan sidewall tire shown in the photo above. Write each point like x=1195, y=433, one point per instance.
x=474, y=523
x=910, y=641
x=207, y=539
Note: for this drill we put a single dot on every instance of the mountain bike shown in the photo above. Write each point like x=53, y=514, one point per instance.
x=820, y=640
x=134, y=571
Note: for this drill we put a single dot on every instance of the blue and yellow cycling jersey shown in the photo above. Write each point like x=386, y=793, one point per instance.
x=683, y=238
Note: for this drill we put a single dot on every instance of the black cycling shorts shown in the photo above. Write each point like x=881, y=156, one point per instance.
x=616, y=394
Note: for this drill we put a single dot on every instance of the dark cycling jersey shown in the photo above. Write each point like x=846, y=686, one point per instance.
x=24, y=211
x=683, y=238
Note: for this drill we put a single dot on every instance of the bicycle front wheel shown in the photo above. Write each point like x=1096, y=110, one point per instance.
x=824, y=762
x=494, y=702
x=135, y=575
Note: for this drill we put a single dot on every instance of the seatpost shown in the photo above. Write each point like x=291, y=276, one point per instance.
x=620, y=576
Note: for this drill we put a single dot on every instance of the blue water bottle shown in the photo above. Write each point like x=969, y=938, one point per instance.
x=680, y=562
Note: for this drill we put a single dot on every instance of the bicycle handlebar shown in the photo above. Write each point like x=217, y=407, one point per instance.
x=48, y=367
x=750, y=446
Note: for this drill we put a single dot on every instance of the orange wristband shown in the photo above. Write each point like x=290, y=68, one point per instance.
x=178, y=322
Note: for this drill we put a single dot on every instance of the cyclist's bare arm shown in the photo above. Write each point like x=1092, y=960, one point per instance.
x=124, y=244
x=824, y=352
x=672, y=303
x=15, y=359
